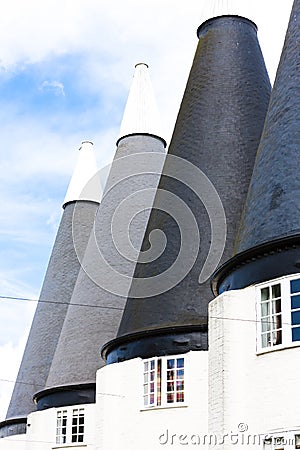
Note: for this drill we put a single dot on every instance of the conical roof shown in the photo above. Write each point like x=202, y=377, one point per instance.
x=268, y=241
x=102, y=286
x=85, y=182
x=141, y=114
x=57, y=289
x=207, y=173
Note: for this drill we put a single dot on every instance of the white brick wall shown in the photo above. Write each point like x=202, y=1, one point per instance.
x=261, y=391
x=121, y=424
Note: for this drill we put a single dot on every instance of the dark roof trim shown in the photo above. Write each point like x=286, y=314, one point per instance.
x=68, y=395
x=208, y=22
x=142, y=134
x=149, y=343
x=261, y=263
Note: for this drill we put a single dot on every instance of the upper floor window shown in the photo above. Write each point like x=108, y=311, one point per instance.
x=69, y=426
x=163, y=381
x=279, y=313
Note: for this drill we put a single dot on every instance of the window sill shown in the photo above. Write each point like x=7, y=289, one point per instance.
x=277, y=348
x=71, y=445
x=151, y=408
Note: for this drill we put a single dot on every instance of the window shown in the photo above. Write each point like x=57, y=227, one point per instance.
x=77, y=425
x=61, y=427
x=163, y=381
x=279, y=313
x=295, y=309
x=271, y=317
x=70, y=426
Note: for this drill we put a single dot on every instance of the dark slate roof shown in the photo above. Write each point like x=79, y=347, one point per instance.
x=95, y=311
x=218, y=130
x=273, y=207
x=57, y=289
x=271, y=220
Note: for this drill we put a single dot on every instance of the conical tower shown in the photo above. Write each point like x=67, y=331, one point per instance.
x=208, y=169
x=102, y=286
x=83, y=194
x=269, y=236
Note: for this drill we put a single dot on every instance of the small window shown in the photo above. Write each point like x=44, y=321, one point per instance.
x=163, y=383
x=78, y=425
x=278, y=312
x=295, y=309
x=70, y=426
x=270, y=316
x=61, y=427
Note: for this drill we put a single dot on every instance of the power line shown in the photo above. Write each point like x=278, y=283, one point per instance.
x=6, y=297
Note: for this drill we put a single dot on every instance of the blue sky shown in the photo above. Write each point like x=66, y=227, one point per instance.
x=65, y=71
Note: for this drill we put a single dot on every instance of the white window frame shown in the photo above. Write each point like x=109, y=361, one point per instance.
x=286, y=310
x=61, y=426
x=160, y=399
x=65, y=431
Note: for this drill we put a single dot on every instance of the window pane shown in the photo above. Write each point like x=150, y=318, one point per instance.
x=276, y=306
x=265, y=309
x=276, y=291
x=297, y=440
x=152, y=365
x=265, y=340
x=296, y=318
x=170, y=374
x=145, y=378
x=276, y=337
x=152, y=375
x=265, y=324
x=80, y=438
x=146, y=367
x=180, y=362
x=151, y=387
x=180, y=397
x=180, y=385
x=278, y=321
x=295, y=301
x=296, y=334
x=265, y=295
x=295, y=286
x=145, y=389
x=170, y=386
x=170, y=398
x=170, y=363
x=180, y=374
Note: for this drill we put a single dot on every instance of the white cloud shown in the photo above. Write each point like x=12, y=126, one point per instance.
x=56, y=86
